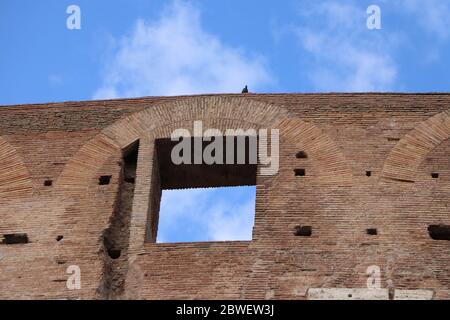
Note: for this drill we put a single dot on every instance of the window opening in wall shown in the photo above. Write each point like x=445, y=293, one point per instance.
x=203, y=202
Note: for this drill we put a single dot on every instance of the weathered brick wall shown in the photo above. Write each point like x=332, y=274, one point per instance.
x=400, y=138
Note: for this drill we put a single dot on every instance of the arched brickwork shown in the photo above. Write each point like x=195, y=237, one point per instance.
x=223, y=112
x=88, y=160
x=15, y=181
x=74, y=144
x=332, y=167
x=404, y=160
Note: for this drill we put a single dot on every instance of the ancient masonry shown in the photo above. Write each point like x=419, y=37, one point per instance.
x=364, y=183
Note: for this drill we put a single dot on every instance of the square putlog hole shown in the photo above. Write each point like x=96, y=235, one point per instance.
x=15, y=238
x=48, y=183
x=439, y=232
x=104, y=180
x=301, y=155
x=303, y=231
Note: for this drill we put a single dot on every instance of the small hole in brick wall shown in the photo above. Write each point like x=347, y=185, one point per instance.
x=300, y=172
x=303, y=231
x=59, y=238
x=369, y=173
x=104, y=180
x=439, y=232
x=301, y=155
x=48, y=183
x=114, y=253
x=435, y=175
x=15, y=238
x=372, y=231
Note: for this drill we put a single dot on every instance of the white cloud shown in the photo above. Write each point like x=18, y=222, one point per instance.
x=55, y=80
x=231, y=222
x=175, y=55
x=432, y=15
x=211, y=214
x=343, y=55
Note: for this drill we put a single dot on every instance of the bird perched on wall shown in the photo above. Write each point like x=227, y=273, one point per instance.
x=245, y=90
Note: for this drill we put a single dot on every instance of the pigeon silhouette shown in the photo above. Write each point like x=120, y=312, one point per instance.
x=245, y=90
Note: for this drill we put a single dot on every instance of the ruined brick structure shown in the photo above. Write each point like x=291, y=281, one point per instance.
x=80, y=184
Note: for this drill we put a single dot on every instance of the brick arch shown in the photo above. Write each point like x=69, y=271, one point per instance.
x=259, y=114
x=87, y=161
x=226, y=112
x=406, y=157
x=331, y=163
x=15, y=180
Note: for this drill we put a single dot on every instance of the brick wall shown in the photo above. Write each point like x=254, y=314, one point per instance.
x=401, y=139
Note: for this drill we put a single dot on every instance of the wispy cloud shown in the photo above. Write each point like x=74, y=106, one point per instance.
x=431, y=15
x=342, y=54
x=55, y=80
x=176, y=55
x=216, y=214
x=232, y=222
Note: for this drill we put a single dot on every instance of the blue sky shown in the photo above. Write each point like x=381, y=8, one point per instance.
x=142, y=47
x=173, y=47
x=214, y=214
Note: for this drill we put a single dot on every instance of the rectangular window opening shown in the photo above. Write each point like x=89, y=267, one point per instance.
x=207, y=214
x=203, y=202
